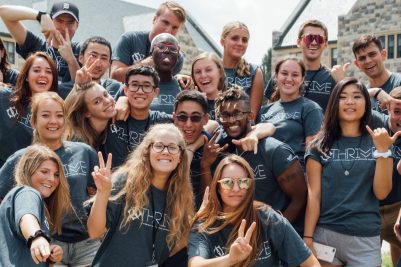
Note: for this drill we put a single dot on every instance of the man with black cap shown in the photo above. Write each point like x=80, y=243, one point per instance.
x=58, y=29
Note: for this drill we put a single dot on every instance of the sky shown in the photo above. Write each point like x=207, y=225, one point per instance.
x=261, y=16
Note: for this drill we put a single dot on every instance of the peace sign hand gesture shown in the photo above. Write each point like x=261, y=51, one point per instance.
x=102, y=175
x=240, y=248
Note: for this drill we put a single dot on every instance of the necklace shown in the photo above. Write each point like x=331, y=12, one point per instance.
x=347, y=170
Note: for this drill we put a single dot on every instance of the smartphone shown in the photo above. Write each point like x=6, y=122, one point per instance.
x=324, y=253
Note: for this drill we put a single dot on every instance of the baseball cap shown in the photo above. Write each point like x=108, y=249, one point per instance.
x=60, y=8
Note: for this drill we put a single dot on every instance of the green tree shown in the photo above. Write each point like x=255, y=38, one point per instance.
x=267, y=65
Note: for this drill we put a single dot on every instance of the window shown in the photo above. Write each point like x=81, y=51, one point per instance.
x=10, y=48
x=390, y=46
x=382, y=40
x=333, y=57
x=398, y=45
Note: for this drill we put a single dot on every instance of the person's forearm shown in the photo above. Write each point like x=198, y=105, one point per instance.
x=97, y=217
x=382, y=182
x=17, y=13
x=294, y=209
x=263, y=130
x=206, y=176
x=73, y=67
x=28, y=225
x=215, y=262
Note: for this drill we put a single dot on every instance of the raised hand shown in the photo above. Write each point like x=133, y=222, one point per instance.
x=381, y=139
x=84, y=74
x=247, y=143
x=185, y=81
x=64, y=46
x=40, y=250
x=102, y=175
x=211, y=150
x=339, y=72
x=48, y=29
x=240, y=248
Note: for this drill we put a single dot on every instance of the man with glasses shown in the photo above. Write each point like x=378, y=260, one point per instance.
x=141, y=87
x=280, y=180
x=319, y=79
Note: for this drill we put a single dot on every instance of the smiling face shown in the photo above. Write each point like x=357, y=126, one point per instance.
x=49, y=122
x=66, y=23
x=93, y=52
x=140, y=100
x=370, y=60
x=314, y=50
x=164, y=163
x=207, y=76
x=233, y=198
x=289, y=80
x=166, y=22
x=238, y=118
x=99, y=103
x=394, y=113
x=190, y=129
x=235, y=43
x=351, y=104
x=40, y=76
x=45, y=179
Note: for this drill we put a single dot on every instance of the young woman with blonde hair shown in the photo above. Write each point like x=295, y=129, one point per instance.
x=48, y=121
x=149, y=217
x=218, y=237
x=33, y=209
x=234, y=39
x=209, y=78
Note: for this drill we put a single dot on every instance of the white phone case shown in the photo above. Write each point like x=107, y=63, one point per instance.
x=324, y=253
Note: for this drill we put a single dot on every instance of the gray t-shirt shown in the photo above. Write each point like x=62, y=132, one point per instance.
x=294, y=121
x=34, y=43
x=393, y=81
x=164, y=102
x=245, y=81
x=318, y=86
x=19, y=201
x=124, y=136
x=279, y=242
x=78, y=160
x=134, y=46
x=348, y=204
x=14, y=134
x=132, y=246
x=11, y=77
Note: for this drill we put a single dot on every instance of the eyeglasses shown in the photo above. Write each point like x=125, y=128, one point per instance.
x=146, y=88
x=238, y=115
x=228, y=183
x=193, y=118
x=159, y=147
x=162, y=47
x=308, y=39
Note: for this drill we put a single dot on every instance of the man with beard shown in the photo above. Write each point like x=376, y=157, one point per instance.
x=319, y=79
x=280, y=180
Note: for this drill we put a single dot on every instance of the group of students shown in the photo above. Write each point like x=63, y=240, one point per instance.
x=141, y=169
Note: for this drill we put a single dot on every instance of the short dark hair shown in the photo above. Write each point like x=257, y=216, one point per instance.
x=364, y=41
x=191, y=95
x=233, y=94
x=144, y=70
x=97, y=40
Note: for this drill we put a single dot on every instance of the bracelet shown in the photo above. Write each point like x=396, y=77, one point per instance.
x=305, y=236
x=36, y=235
x=377, y=93
x=39, y=16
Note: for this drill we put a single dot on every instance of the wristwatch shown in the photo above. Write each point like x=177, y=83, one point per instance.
x=39, y=16
x=36, y=235
x=386, y=154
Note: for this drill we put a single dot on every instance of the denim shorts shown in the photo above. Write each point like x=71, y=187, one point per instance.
x=78, y=254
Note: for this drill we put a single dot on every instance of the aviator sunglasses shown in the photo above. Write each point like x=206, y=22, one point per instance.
x=308, y=39
x=228, y=183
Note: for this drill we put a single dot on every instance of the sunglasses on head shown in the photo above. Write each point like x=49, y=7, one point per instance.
x=308, y=39
x=193, y=118
x=228, y=183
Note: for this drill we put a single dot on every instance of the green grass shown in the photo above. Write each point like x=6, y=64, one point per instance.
x=386, y=260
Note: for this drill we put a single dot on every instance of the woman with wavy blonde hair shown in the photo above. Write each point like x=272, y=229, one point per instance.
x=33, y=209
x=218, y=237
x=149, y=217
x=234, y=39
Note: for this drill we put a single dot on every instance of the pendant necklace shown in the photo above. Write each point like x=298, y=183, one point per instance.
x=347, y=170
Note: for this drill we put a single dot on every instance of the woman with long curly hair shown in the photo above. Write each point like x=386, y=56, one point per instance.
x=38, y=74
x=218, y=237
x=149, y=217
x=234, y=39
x=33, y=209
